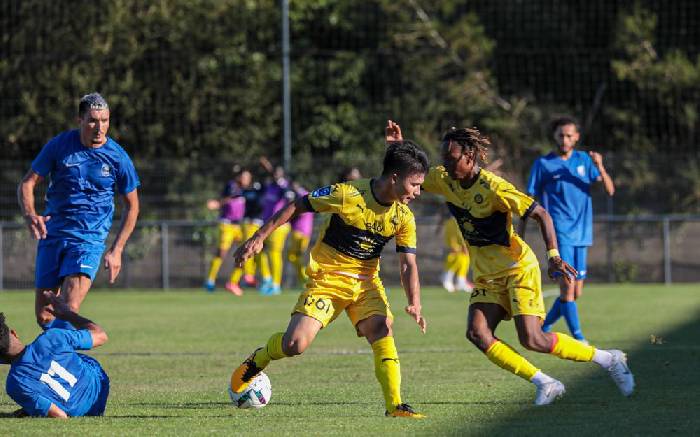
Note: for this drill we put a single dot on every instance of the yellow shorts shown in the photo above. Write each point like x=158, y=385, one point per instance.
x=249, y=228
x=228, y=233
x=519, y=293
x=328, y=294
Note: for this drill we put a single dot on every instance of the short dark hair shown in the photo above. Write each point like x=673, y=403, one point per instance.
x=404, y=158
x=468, y=138
x=4, y=336
x=91, y=101
x=563, y=121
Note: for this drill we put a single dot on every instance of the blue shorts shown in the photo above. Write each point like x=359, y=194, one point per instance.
x=576, y=257
x=56, y=259
x=98, y=408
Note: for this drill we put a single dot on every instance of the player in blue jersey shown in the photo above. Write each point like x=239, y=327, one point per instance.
x=561, y=181
x=87, y=169
x=47, y=377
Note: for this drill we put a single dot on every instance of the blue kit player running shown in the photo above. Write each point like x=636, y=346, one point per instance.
x=561, y=181
x=86, y=169
x=47, y=377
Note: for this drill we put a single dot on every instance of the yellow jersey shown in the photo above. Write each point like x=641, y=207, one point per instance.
x=454, y=240
x=483, y=213
x=352, y=239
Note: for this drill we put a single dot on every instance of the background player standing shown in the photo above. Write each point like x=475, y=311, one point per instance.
x=47, y=377
x=506, y=272
x=302, y=228
x=344, y=268
x=561, y=180
x=232, y=209
x=87, y=168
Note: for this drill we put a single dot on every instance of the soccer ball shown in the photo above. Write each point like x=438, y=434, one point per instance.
x=256, y=395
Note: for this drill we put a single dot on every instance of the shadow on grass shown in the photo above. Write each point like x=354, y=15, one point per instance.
x=666, y=399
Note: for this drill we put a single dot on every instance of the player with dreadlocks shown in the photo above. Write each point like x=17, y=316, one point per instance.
x=506, y=271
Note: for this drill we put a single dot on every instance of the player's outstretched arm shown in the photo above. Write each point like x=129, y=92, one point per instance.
x=113, y=257
x=555, y=263
x=254, y=244
x=25, y=196
x=604, y=176
x=62, y=311
x=411, y=285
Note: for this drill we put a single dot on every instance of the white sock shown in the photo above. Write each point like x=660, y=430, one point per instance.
x=603, y=358
x=541, y=378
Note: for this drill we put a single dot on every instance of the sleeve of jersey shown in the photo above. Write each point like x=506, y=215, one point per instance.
x=406, y=236
x=44, y=162
x=79, y=340
x=33, y=404
x=515, y=201
x=533, y=184
x=433, y=182
x=327, y=199
x=127, y=179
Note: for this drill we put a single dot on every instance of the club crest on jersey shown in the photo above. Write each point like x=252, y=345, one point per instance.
x=581, y=170
x=320, y=192
x=105, y=170
x=478, y=198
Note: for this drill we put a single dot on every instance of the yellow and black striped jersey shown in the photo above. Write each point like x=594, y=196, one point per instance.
x=484, y=214
x=352, y=239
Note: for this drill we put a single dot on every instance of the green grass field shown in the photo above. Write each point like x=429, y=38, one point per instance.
x=170, y=355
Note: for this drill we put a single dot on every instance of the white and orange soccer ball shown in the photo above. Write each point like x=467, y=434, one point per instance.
x=256, y=395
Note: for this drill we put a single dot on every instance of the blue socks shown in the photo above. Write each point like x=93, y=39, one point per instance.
x=552, y=316
x=569, y=311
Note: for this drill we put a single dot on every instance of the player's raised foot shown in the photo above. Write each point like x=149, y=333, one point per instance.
x=245, y=373
x=209, y=286
x=620, y=372
x=249, y=281
x=404, y=410
x=549, y=392
x=234, y=288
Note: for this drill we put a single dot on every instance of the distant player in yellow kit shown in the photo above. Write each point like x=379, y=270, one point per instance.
x=506, y=271
x=343, y=271
x=456, y=266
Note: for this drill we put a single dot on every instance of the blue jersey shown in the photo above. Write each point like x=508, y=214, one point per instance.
x=84, y=181
x=51, y=372
x=563, y=188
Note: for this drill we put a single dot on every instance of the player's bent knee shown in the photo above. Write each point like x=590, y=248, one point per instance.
x=478, y=338
x=295, y=346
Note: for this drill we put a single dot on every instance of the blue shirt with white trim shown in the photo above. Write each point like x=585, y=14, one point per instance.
x=84, y=181
x=563, y=188
x=50, y=371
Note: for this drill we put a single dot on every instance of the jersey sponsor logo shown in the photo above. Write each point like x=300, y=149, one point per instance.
x=481, y=231
x=321, y=192
x=105, y=170
x=349, y=240
x=581, y=170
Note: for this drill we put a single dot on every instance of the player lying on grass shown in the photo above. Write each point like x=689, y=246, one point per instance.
x=343, y=271
x=47, y=377
x=506, y=271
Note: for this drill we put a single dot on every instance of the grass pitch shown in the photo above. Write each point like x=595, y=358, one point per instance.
x=170, y=355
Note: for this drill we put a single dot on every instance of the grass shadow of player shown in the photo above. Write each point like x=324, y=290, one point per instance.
x=665, y=401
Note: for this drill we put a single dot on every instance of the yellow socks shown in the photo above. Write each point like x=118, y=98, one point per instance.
x=214, y=269
x=507, y=358
x=388, y=371
x=567, y=348
x=236, y=275
x=271, y=351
